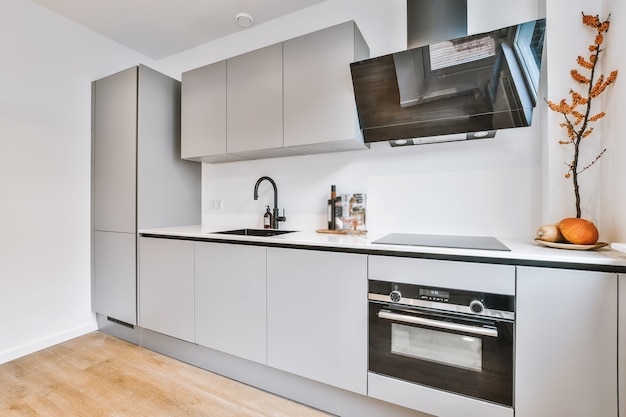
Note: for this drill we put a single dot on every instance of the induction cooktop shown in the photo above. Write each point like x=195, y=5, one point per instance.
x=443, y=241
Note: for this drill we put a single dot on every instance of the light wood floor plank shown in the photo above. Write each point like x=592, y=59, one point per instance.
x=98, y=375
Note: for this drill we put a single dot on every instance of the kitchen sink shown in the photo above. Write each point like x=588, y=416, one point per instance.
x=254, y=232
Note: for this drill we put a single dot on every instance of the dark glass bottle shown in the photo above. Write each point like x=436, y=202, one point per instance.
x=267, y=218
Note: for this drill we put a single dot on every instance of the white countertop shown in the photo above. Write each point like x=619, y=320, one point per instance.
x=522, y=252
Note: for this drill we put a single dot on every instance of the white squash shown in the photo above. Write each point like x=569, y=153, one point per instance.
x=549, y=233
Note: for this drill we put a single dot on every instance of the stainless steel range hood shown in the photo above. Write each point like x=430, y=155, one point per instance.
x=449, y=87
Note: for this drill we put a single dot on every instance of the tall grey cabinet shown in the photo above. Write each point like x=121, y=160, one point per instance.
x=139, y=180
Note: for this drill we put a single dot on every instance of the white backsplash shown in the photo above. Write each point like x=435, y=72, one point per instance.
x=483, y=187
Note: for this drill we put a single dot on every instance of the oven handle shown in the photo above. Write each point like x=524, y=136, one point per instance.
x=483, y=331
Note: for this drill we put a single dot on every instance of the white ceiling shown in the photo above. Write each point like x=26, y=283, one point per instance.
x=160, y=28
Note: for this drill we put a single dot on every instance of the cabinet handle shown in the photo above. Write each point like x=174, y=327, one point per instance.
x=483, y=331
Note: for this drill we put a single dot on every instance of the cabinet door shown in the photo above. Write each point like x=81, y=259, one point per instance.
x=566, y=343
x=230, y=299
x=319, y=98
x=168, y=188
x=254, y=112
x=166, y=285
x=203, y=114
x=114, y=150
x=114, y=288
x=317, y=316
x=203, y=108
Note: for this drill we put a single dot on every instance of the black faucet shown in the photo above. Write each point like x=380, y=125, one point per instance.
x=275, y=217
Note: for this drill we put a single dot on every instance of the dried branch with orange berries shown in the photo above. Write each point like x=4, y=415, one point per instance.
x=577, y=123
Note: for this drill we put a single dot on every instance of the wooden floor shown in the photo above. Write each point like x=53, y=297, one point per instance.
x=98, y=375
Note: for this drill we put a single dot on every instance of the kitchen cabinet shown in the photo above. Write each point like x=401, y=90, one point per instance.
x=289, y=98
x=114, y=266
x=304, y=312
x=317, y=316
x=566, y=341
x=203, y=114
x=230, y=302
x=138, y=179
x=166, y=287
x=232, y=110
x=115, y=152
x=320, y=112
x=254, y=110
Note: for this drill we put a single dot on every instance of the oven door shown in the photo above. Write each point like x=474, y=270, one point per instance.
x=452, y=352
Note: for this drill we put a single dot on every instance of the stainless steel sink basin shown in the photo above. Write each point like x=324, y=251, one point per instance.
x=254, y=232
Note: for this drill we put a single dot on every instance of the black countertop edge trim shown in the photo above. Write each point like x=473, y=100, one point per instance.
x=402, y=254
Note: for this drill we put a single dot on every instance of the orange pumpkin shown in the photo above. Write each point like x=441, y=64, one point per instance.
x=578, y=231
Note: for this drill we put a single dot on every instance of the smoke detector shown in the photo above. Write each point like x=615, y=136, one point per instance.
x=244, y=19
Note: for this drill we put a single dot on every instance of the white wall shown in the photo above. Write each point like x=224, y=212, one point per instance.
x=487, y=187
x=47, y=67
x=614, y=162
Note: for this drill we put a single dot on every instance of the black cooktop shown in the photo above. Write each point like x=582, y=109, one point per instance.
x=443, y=241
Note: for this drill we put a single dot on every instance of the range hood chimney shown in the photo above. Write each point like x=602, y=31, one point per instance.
x=429, y=22
x=434, y=21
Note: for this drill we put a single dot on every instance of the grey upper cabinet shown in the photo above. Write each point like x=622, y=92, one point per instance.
x=203, y=112
x=286, y=99
x=254, y=110
x=139, y=180
x=320, y=114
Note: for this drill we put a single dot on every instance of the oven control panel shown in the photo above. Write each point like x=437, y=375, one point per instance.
x=470, y=302
x=431, y=294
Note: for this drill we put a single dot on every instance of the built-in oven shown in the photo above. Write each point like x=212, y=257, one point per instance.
x=453, y=340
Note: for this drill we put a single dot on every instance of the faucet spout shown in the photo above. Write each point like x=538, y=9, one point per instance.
x=275, y=212
x=256, y=189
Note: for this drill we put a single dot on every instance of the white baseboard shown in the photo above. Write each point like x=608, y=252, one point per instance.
x=46, y=342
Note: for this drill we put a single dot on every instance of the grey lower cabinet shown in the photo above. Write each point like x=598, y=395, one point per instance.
x=138, y=179
x=230, y=302
x=304, y=312
x=114, y=269
x=300, y=311
x=166, y=286
x=566, y=349
x=317, y=316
